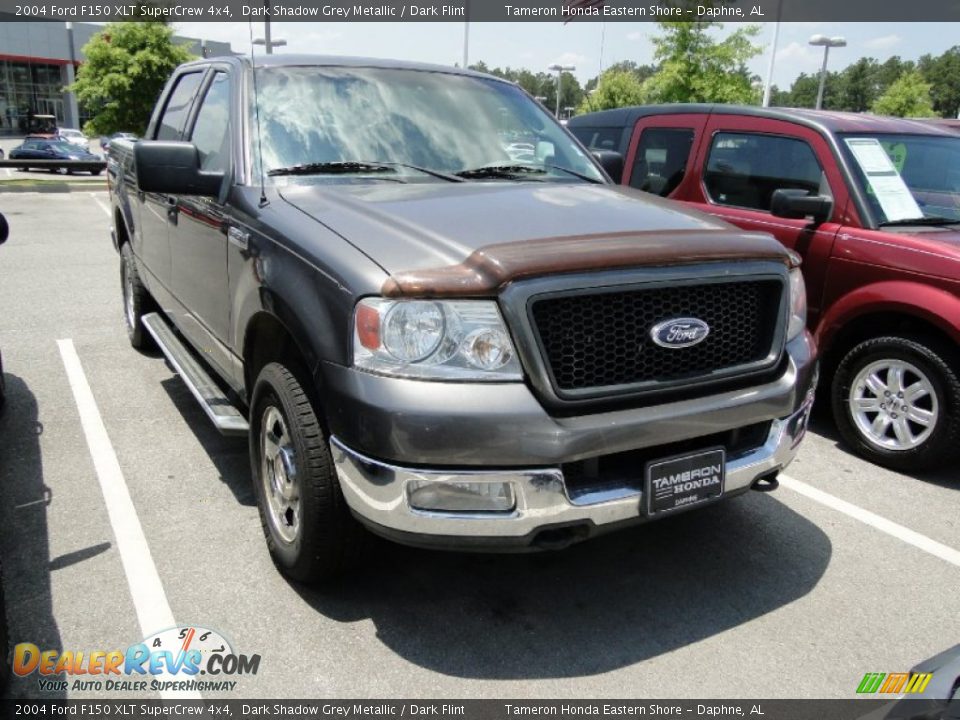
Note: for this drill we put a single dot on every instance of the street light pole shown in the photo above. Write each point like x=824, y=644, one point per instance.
x=560, y=69
x=826, y=43
x=266, y=39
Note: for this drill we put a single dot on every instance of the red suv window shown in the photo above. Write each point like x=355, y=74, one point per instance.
x=661, y=159
x=744, y=169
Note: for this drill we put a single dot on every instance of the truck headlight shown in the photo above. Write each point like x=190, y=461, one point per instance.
x=434, y=340
x=798, y=304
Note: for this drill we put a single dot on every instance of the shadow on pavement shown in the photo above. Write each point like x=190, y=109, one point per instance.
x=24, y=545
x=229, y=454
x=602, y=605
x=822, y=424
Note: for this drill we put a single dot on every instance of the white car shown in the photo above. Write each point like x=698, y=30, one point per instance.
x=74, y=137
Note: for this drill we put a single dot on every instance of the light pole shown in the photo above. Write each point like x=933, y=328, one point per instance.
x=560, y=69
x=826, y=43
x=265, y=40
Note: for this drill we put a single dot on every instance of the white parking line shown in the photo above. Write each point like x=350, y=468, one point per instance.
x=922, y=542
x=146, y=590
x=98, y=202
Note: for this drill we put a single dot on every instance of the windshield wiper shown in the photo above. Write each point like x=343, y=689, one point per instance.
x=508, y=172
x=512, y=171
x=333, y=168
x=926, y=220
x=357, y=167
x=576, y=174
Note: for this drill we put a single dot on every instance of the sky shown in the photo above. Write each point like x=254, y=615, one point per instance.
x=537, y=45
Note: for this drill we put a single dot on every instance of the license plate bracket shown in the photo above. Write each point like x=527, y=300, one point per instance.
x=681, y=481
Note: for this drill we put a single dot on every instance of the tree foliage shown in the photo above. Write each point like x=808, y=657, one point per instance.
x=126, y=67
x=541, y=84
x=909, y=96
x=616, y=88
x=693, y=66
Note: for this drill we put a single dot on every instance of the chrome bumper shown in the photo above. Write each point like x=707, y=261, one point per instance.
x=377, y=494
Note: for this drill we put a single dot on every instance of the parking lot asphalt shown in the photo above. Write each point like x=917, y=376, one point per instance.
x=787, y=594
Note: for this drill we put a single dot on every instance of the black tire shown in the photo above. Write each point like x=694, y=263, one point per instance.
x=136, y=300
x=940, y=368
x=95, y=172
x=327, y=540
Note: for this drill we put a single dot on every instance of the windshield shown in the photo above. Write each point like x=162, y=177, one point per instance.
x=907, y=177
x=418, y=120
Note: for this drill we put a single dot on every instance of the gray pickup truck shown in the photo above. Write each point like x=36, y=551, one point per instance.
x=437, y=319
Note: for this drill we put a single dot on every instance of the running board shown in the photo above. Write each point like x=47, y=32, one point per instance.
x=215, y=403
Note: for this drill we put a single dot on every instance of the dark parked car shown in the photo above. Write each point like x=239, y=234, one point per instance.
x=873, y=206
x=423, y=335
x=40, y=149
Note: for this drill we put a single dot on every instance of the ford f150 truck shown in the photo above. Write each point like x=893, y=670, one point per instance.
x=433, y=334
x=873, y=206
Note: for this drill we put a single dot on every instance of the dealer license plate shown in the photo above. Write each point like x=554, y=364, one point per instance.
x=684, y=480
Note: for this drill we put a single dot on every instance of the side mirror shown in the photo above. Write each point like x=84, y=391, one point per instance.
x=612, y=162
x=4, y=229
x=174, y=168
x=797, y=204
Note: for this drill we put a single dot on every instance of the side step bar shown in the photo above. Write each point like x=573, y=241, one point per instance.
x=215, y=403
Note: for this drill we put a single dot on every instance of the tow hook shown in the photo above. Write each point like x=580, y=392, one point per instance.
x=767, y=483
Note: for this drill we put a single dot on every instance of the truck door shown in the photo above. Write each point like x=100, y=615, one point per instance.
x=157, y=210
x=744, y=159
x=198, y=241
x=662, y=149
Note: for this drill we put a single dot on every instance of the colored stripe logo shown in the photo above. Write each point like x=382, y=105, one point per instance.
x=894, y=683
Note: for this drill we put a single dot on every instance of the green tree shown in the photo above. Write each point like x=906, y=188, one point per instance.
x=942, y=73
x=617, y=88
x=695, y=67
x=907, y=97
x=127, y=65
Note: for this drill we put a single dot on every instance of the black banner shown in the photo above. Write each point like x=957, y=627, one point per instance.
x=483, y=10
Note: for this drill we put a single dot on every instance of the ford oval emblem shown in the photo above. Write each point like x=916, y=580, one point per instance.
x=679, y=332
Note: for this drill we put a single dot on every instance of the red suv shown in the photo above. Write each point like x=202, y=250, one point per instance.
x=873, y=206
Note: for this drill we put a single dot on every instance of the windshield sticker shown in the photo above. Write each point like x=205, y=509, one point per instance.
x=891, y=191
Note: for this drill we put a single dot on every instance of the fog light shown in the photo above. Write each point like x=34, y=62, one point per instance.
x=449, y=496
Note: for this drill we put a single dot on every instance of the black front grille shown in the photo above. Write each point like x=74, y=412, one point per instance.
x=602, y=339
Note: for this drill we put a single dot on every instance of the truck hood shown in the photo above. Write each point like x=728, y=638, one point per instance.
x=468, y=238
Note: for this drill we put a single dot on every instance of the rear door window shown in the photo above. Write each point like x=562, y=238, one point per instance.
x=177, y=109
x=744, y=169
x=660, y=163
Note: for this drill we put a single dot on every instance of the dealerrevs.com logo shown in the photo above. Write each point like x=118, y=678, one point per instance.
x=170, y=660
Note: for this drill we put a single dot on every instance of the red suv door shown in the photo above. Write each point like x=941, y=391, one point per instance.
x=742, y=160
x=661, y=153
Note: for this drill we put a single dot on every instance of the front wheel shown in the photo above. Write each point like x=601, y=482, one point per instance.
x=308, y=527
x=896, y=401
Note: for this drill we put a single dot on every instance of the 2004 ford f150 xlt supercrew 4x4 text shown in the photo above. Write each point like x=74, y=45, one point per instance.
x=437, y=319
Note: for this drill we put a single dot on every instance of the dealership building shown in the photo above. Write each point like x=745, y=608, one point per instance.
x=38, y=59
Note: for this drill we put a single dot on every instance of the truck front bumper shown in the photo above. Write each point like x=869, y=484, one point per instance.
x=546, y=511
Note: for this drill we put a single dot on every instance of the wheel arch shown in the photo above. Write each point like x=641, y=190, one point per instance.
x=889, y=308
x=268, y=339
